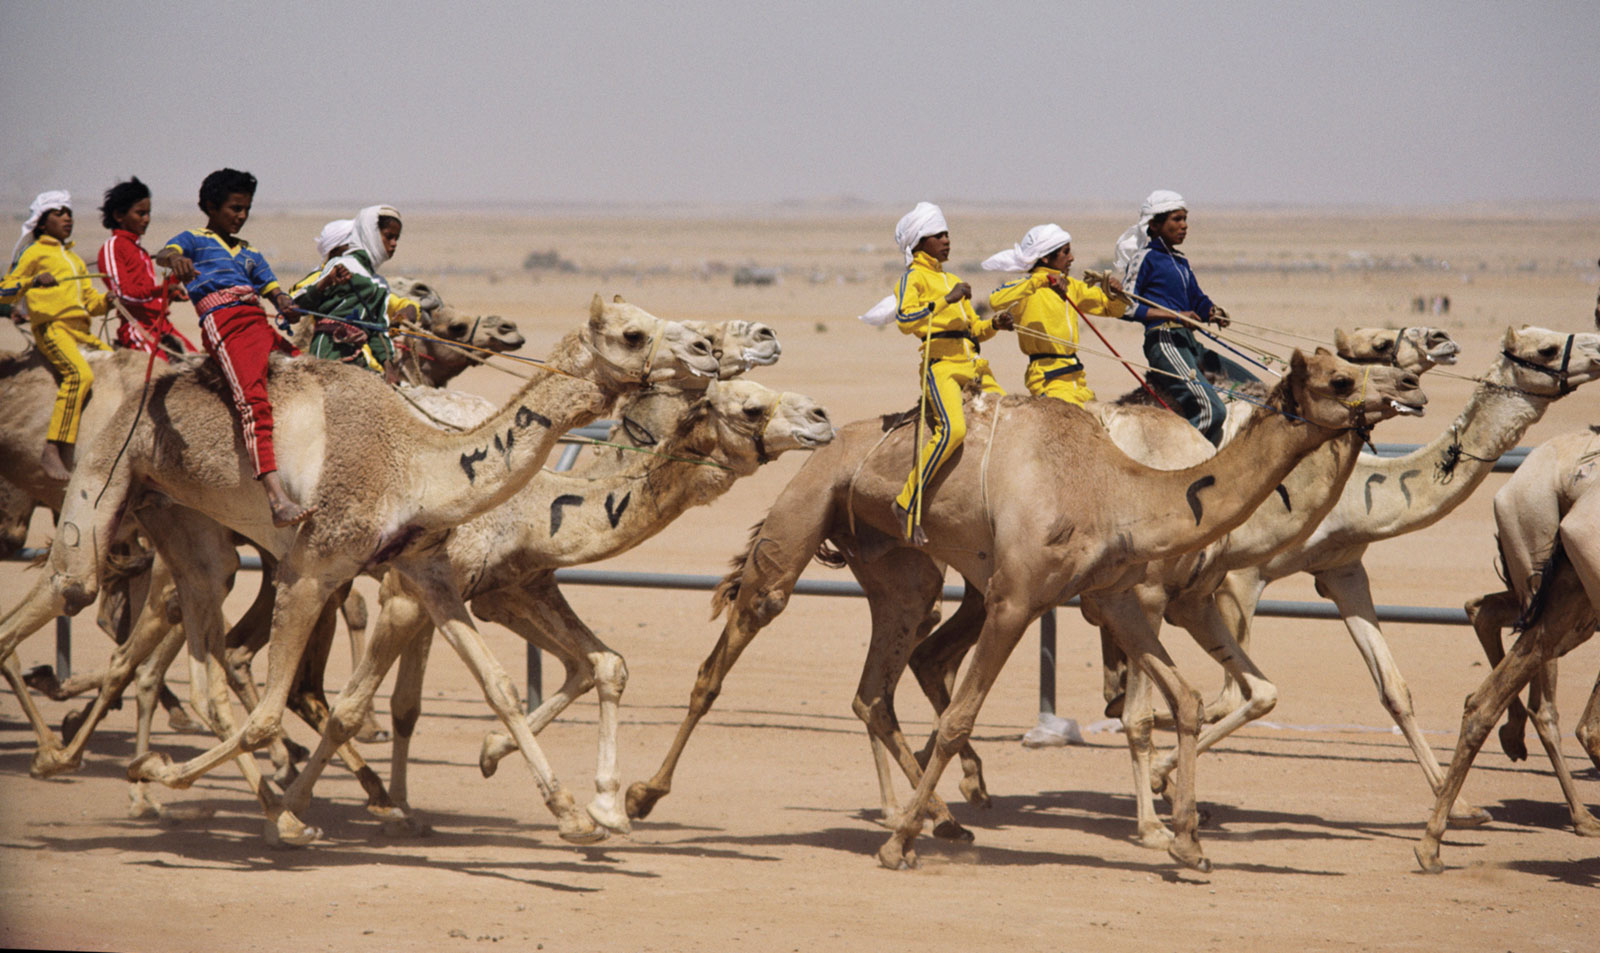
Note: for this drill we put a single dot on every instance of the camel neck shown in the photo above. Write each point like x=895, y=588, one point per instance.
x=1389, y=496
x=459, y=476
x=1205, y=501
x=1297, y=505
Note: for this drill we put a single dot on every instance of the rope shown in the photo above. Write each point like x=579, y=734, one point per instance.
x=1142, y=382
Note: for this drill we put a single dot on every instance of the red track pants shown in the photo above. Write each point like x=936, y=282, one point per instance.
x=240, y=338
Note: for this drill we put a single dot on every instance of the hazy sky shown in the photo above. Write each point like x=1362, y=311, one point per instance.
x=1357, y=102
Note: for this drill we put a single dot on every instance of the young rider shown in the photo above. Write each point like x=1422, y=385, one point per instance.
x=936, y=306
x=1045, y=306
x=130, y=275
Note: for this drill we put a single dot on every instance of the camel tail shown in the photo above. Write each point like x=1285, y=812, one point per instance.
x=728, y=589
x=1534, y=610
x=829, y=555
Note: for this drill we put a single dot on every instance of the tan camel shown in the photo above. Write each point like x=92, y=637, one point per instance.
x=1181, y=589
x=1388, y=497
x=1018, y=531
x=390, y=489
x=1557, y=580
x=1533, y=505
x=426, y=362
x=505, y=562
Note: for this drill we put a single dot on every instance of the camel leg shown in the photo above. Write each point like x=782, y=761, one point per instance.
x=1236, y=601
x=541, y=614
x=935, y=662
x=1205, y=624
x=1482, y=710
x=1547, y=724
x=1589, y=725
x=1350, y=590
x=48, y=742
x=298, y=601
x=1138, y=723
x=249, y=636
x=782, y=549
x=405, y=705
x=150, y=675
x=900, y=586
x=435, y=584
x=354, y=611
x=1489, y=614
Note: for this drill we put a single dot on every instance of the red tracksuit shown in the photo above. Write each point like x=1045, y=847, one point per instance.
x=131, y=276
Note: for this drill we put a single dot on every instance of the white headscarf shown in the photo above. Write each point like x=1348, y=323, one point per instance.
x=337, y=232
x=1161, y=200
x=1040, y=241
x=883, y=312
x=924, y=220
x=365, y=234
x=42, y=203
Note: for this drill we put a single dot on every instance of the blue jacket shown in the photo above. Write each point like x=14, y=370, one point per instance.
x=1162, y=274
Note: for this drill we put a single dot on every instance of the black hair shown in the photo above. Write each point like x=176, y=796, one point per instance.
x=222, y=183
x=39, y=228
x=1156, y=221
x=388, y=218
x=121, y=197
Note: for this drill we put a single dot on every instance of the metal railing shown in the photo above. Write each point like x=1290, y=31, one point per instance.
x=576, y=440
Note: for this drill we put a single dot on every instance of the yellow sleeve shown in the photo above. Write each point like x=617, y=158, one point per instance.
x=13, y=285
x=96, y=302
x=918, y=305
x=397, y=304
x=1012, y=293
x=981, y=329
x=1094, y=300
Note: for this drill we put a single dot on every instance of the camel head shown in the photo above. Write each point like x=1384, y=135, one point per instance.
x=754, y=423
x=1417, y=350
x=1549, y=363
x=1331, y=392
x=741, y=345
x=634, y=344
x=489, y=331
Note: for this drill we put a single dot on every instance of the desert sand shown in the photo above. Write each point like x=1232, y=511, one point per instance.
x=767, y=841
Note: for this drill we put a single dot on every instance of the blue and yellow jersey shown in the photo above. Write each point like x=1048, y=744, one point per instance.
x=219, y=265
x=950, y=331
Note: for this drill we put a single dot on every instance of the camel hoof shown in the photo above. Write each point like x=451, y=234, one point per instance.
x=151, y=766
x=181, y=722
x=1466, y=817
x=1428, y=858
x=72, y=721
x=608, y=816
x=373, y=735
x=48, y=762
x=406, y=825
x=1585, y=825
x=577, y=828
x=42, y=679
x=891, y=856
x=1512, y=742
x=141, y=806
x=1189, y=855
x=973, y=790
x=641, y=800
x=1157, y=838
x=288, y=831
x=487, y=762
x=950, y=830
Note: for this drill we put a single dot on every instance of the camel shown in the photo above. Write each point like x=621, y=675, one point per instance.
x=1388, y=497
x=1556, y=578
x=505, y=563
x=432, y=363
x=1019, y=532
x=1181, y=589
x=390, y=489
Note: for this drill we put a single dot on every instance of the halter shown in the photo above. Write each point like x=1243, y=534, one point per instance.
x=649, y=358
x=762, y=457
x=1563, y=381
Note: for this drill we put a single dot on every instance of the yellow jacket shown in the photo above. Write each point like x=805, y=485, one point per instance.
x=1039, y=311
x=73, y=296
x=956, y=328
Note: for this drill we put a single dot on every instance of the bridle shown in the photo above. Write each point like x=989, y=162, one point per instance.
x=649, y=358
x=1562, y=377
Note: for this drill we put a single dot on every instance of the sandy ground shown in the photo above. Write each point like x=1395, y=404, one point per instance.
x=767, y=841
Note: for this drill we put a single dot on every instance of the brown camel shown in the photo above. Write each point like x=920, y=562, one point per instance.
x=430, y=363
x=390, y=488
x=505, y=562
x=1557, y=581
x=1012, y=531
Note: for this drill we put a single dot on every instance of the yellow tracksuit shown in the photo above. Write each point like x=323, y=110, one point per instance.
x=1053, y=366
x=950, y=334
x=59, y=318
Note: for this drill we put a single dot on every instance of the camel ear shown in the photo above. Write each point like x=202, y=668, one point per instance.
x=1297, y=362
x=1324, y=351
x=1510, y=339
x=617, y=299
x=597, y=309
x=1341, y=342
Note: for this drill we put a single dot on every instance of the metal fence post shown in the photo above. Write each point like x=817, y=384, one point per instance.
x=63, y=647
x=1047, y=663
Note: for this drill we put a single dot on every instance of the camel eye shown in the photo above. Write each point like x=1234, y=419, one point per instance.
x=458, y=328
x=633, y=338
x=752, y=413
x=1343, y=385
x=1383, y=345
x=1549, y=352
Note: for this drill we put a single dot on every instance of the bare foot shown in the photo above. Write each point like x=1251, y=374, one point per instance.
x=290, y=513
x=916, y=536
x=54, y=466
